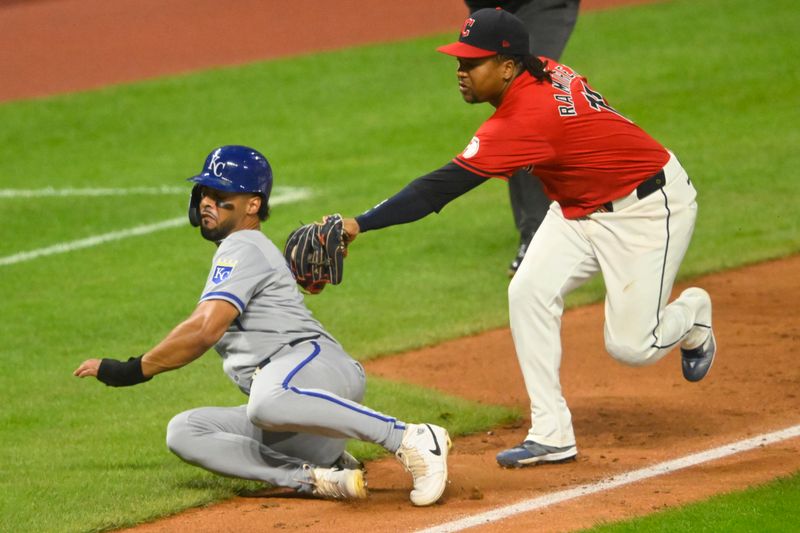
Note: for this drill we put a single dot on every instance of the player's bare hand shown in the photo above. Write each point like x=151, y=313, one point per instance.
x=351, y=229
x=88, y=368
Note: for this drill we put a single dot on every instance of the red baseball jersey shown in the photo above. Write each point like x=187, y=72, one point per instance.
x=564, y=132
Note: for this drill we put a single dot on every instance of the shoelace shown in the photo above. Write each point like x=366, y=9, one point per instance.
x=413, y=462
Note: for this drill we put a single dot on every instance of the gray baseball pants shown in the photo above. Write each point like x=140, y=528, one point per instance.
x=303, y=406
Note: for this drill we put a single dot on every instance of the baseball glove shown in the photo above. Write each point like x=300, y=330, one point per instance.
x=315, y=253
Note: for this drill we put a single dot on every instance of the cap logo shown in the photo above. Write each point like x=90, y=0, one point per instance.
x=467, y=25
x=215, y=165
x=506, y=44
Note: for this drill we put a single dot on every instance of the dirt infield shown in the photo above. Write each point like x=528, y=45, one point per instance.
x=625, y=418
x=56, y=46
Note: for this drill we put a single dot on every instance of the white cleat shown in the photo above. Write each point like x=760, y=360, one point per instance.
x=337, y=484
x=423, y=453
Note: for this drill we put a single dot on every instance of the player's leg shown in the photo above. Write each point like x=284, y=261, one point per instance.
x=550, y=23
x=224, y=441
x=529, y=206
x=559, y=260
x=317, y=388
x=640, y=250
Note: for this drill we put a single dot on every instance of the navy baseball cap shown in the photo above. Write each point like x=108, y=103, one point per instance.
x=489, y=32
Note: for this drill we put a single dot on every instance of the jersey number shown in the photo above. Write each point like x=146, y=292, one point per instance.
x=597, y=102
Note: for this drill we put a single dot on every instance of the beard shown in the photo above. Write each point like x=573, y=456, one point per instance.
x=215, y=234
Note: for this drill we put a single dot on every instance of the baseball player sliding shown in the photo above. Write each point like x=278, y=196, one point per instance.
x=624, y=207
x=304, y=389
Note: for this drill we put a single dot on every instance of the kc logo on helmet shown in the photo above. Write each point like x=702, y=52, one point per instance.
x=215, y=165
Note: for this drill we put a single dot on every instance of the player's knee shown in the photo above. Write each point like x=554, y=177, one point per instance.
x=526, y=294
x=629, y=354
x=179, y=435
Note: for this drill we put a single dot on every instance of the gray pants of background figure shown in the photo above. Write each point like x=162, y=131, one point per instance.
x=550, y=24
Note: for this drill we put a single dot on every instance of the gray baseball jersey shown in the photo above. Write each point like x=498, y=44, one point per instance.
x=249, y=272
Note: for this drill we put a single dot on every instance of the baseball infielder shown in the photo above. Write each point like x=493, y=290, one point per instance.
x=304, y=389
x=623, y=207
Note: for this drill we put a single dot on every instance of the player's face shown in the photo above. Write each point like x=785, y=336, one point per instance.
x=483, y=79
x=222, y=213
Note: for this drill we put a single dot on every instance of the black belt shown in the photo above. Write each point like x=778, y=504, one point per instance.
x=644, y=189
x=293, y=343
x=303, y=339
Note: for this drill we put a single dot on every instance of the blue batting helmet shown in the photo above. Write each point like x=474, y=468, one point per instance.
x=233, y=169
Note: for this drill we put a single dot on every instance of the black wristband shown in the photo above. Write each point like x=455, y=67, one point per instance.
x=122, y=373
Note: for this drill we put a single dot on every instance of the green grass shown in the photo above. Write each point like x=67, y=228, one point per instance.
x=713, y=80
x=773, y=507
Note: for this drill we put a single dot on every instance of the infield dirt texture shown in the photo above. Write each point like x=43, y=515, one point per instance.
x=625, y=418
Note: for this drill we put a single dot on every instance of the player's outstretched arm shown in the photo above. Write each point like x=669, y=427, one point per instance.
x=186, y=342
x=423, y=196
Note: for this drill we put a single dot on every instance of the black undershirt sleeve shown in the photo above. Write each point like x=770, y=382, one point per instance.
x=423, y=196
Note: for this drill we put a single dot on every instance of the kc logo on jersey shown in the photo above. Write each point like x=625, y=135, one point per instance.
x=222, y=271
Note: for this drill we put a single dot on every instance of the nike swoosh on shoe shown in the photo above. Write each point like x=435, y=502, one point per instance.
x=438, y=449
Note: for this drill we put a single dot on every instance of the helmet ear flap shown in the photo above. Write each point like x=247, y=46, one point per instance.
x=194, y=206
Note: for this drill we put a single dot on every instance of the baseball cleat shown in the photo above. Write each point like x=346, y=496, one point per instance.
x=337, y=484
x=697, y=355
x=423, y=452
x=531, y=453
x=697, y=362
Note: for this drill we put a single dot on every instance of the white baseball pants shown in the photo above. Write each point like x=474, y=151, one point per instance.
x=638, y=250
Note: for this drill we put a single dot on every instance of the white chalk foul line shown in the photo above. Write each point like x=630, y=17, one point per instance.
x=282, y=196
x=616, y=481
x=88, y=242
